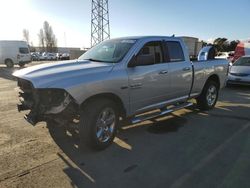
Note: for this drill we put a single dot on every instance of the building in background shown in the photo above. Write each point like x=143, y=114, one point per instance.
x=194, y=46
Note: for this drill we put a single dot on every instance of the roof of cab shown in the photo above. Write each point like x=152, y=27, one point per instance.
x=146, y=37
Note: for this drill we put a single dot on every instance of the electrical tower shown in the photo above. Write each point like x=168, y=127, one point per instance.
x=100, y=30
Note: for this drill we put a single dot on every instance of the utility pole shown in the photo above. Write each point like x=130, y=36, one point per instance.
x=100, y=29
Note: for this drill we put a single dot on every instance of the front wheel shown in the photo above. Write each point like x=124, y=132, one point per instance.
x=98, y=124
x=209, y=96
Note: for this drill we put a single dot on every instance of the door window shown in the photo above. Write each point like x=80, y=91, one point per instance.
x=23, y=50
x=175, y=52
x=155, y=49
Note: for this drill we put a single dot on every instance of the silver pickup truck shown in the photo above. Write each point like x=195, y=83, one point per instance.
x=117, y=80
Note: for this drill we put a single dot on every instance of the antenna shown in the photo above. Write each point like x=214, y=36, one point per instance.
x=100, y=29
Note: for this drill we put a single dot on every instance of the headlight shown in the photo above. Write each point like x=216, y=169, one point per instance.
x=51, y=97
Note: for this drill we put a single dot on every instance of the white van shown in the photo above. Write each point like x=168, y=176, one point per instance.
x=14, y=52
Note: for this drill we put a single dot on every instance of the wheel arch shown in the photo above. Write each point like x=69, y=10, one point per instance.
x=110, y=96
x=8, y=59
x=215, y=78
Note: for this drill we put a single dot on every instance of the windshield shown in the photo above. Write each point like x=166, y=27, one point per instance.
x=110, y=51
x=243, y=61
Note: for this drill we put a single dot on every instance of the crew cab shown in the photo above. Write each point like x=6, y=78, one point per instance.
x=120, y=79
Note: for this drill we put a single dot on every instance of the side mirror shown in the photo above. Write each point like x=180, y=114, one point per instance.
x=141, y=60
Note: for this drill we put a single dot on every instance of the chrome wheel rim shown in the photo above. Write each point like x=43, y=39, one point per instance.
x=211, y=95
x=105, y=125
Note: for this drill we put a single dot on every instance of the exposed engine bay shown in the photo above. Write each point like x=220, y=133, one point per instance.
x=45, y=104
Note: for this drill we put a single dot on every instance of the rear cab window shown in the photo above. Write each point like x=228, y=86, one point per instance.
x=174, y=51
x=23, y=50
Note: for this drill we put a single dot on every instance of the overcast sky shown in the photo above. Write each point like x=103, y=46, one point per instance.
x=70, y=19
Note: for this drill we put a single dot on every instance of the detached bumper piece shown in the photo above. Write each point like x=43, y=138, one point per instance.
x=31, y=118
x=22, y=107
x=43, y=104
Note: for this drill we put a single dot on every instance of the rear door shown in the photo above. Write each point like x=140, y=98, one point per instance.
x=180, y=70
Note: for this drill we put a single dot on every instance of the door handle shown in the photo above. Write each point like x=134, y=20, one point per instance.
x=163, y=72
x=186, y=69
x=136, y=85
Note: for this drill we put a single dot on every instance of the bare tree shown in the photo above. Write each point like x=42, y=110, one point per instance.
x=32, y=48
x=26, y=35
x=49, y=37
x=41, y=39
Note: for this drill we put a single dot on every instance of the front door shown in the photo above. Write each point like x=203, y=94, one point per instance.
x=149, y=84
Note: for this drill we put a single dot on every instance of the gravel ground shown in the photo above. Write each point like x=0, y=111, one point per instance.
x=188, y=148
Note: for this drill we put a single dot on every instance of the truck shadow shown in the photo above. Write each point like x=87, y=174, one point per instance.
x=6, y=73
x=185, y=130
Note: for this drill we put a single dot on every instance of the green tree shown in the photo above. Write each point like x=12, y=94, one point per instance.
x=221, y=44
x=233, y=45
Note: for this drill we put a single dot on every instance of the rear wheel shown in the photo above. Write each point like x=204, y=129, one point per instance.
x=98, y=124
x=209, y=96
x=9, y=63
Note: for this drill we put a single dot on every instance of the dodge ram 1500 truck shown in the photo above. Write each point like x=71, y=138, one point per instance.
x=119, y=79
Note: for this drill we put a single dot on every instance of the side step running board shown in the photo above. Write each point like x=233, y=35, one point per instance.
x=141, y=118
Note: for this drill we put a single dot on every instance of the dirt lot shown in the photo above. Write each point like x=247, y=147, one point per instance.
x=186, y=149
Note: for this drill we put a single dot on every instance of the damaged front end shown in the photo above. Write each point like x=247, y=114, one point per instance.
x=45, y=104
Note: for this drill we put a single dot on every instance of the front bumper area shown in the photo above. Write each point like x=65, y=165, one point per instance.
x=44, y=104
x=238, y=80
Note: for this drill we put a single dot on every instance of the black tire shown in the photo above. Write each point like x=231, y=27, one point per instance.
x=88, y=128
x=205, y=102
x=9, y=63
x=21, y=64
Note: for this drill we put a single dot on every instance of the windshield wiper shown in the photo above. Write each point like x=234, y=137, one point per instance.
x=97, y=60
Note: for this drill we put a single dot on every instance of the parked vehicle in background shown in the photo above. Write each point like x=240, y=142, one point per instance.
x=42, y=56
x=222, y=55
x=51, y=56
x=14, y=53
x=58, y=56
x=194, y=46
x=242, y=49
x=35, y=56
x=239, y=72
x=120, y=79
x=65, y=56
x=230, y=56
x=225, y=55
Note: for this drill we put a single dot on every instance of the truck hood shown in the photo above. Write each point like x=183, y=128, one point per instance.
x=240, y=69
x=54, y=74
